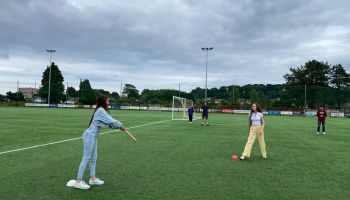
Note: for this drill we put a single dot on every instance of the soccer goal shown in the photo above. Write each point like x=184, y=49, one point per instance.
x=179, y=108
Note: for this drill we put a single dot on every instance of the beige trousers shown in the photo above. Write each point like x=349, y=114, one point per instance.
x=255, y=131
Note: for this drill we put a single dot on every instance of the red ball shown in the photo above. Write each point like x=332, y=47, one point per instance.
x=234, y=157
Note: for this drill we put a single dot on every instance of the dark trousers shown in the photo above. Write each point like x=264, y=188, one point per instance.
x=323, y=122
x=190, y=117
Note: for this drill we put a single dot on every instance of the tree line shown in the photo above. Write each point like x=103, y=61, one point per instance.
x=307, y=86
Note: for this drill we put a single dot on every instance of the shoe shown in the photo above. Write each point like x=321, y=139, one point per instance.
x=96, y=181
x=324, y=133
x=264, y=158
x=81, y=185
x=242, y=158
x=208, y=125
x=318, y=133
x=201, y=124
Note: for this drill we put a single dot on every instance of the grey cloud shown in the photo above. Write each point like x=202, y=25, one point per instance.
x=149, y=42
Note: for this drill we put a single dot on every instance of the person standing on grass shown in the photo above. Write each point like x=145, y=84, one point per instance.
x=190, y=112
x=205, y=113
x=100, y=118
x=321, y=115
x=256, y=124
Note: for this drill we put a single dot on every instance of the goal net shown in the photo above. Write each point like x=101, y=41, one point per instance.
x=179, y=108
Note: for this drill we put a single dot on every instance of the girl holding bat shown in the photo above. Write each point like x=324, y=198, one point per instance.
x=100, y=118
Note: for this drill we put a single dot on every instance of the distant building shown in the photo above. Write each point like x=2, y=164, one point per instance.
x=28, y=92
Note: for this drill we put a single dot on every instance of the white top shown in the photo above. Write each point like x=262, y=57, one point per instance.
x=256, y=118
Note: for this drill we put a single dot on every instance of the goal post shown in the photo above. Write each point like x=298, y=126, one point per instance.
x=179, y=108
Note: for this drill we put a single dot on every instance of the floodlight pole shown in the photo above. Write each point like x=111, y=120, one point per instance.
x=67, y=96
x=51, y=51
x=121, y=89
x=233, y=95
x=17, y=89
x=206, y=71
x=305, y=97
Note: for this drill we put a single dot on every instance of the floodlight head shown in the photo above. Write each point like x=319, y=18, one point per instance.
x=203, y=49
x=207, y=48
x=211, y=48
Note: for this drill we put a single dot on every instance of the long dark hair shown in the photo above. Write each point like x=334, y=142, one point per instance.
x=258, y=109
x=101, y=102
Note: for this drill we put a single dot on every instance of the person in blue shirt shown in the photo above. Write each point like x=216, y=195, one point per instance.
x=190, y=112
x=205, y=113
x=100, y=118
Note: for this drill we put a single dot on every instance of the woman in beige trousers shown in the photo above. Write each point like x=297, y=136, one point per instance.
x=256, y=124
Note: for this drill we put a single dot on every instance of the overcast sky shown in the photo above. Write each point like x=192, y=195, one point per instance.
x=157, y=44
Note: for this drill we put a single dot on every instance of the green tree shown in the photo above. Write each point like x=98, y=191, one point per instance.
x=72, y=92
x=103, y=92
x=131, y=92
x=314, y=74
x=254, y=96
x=14, y=96
x=2, y=97
x=340, y=80
x=57, y=87
x=100, y=92
x=198, y=94
x=86, y=93
x=115, y=95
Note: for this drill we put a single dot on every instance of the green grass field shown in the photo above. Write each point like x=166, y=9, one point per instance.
x=173, y=159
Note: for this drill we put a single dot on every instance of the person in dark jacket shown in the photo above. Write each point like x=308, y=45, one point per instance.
x=190, y=112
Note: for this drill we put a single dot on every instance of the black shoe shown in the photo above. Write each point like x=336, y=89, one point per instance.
x=208, y=125
x=201, y=124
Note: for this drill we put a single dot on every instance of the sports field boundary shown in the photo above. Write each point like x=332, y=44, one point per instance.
x=77, y=138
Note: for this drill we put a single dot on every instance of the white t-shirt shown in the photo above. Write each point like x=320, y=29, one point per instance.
x=256, y=118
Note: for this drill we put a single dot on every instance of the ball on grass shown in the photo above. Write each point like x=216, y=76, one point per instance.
x=234, y=157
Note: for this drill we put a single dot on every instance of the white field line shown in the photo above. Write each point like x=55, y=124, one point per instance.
x=77, y=138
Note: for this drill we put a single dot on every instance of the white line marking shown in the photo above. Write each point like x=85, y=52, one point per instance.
x=77, y=138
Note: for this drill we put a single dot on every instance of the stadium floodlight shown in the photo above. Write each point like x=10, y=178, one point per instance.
x=51, y=51
x=206, y=70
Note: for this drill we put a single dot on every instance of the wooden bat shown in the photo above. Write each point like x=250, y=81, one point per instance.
x=130, y=135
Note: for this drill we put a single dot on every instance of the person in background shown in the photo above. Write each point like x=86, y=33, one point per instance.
x=205, y=113
x=190, y=112
x=321, y=116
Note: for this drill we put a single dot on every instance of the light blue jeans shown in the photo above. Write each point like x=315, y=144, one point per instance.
x=90, y=152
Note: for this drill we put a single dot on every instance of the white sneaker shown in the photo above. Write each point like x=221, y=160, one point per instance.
x=96, y=181
x=81, y=185
x=242, y=158
x=318, y=133
x=324, y=133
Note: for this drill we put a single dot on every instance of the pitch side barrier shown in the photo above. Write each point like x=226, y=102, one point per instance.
x=330, y=113
x=312, y=113
x=114, y=107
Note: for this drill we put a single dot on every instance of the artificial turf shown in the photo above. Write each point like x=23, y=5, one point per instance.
x=173, y=159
